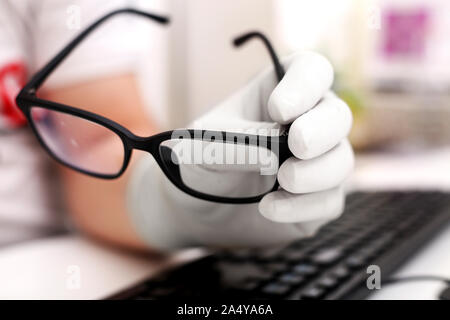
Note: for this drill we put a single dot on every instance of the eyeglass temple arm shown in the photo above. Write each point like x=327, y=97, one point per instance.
x=279, y=70
x=40, y=76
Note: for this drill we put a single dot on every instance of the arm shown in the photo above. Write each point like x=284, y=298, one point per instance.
x=98, y=206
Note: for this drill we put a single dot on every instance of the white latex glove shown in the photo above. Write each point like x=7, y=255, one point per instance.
x=310, y=194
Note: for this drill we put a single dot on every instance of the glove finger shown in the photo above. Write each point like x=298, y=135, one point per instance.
x=321, y=173
x=320, y=129
x=282, y=206
x=308, y=77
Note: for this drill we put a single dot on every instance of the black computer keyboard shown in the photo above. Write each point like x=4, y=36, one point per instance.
x=382, y=228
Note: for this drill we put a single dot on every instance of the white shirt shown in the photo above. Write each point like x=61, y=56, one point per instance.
x=31, y=33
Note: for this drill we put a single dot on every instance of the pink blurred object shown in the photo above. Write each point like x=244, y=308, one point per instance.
x=410, y=50
x=405, y=33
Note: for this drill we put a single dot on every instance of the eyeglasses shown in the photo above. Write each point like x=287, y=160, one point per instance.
x=217, y=166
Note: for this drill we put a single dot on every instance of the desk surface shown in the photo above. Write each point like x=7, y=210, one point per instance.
x=420, y=170
x=73, y=267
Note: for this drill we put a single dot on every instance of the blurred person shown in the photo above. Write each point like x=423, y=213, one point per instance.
x=141, y=209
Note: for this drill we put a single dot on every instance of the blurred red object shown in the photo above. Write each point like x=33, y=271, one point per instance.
x=12, y=78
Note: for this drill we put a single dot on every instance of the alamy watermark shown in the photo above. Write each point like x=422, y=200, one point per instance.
x=253, y=150
x=373, y=281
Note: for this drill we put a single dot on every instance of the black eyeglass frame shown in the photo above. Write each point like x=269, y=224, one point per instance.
x=27, y=99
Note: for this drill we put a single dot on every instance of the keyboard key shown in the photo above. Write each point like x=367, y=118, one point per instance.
x=293, y=255
x=275, y=267
x=305, y=269
x=327, y=282
x=356, y=261
x=276, y=288
x=341, y=272
x=327, y=255
x=291, y=278
x=312, y=293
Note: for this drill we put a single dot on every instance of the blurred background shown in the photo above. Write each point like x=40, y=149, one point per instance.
x=391, y=60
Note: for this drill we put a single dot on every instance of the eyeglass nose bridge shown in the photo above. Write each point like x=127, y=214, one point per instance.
x=148, y=144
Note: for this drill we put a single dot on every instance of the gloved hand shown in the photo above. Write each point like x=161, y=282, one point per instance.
x=310, y=194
